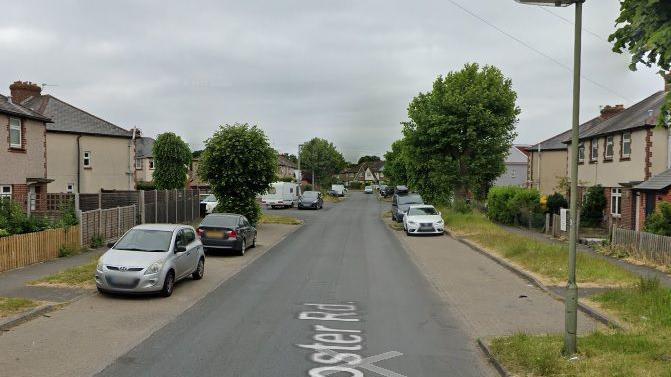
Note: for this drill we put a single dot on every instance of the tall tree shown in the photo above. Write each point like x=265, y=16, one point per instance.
x=172, y=157
x=363, y=159
x=290, y=157
x=644, y=30
x=460, y=132
x=394, y=165
x=321, y=157
x=238, y=163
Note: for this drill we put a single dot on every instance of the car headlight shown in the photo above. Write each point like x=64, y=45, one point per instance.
x=99, y=267
x=154, y=268
x=412, y=223
x=439, y=222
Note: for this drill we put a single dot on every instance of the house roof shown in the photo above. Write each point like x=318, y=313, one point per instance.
x=68, y=118
x=284, y=161
x=374, y=166
x=658, y=182
x=558, y=142
x=516, y=156
x=642, y=114
x=144, y=147
x=10, y=108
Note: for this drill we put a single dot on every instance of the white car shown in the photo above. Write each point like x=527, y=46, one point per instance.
x=423, y=219
x=151, y=258
x=210, y=203
x=368, y=189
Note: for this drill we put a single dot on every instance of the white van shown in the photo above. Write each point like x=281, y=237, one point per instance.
x=338, y=190
x=282, y=194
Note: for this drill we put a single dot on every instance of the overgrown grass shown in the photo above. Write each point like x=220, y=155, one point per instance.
x=645, y=350
x=278, y=219
x=76, y=277
x=10, y=306
x=550, y=261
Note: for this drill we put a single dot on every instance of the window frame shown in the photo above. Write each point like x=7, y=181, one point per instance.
x=616, y=201
x=581, y=151
x=4, y=194
x=594, y=150
x=12, y=127
x=625, y=155
x=87, y=160
x=151, y=164
x=610, y=142
x=68, y=189
x=138, y=164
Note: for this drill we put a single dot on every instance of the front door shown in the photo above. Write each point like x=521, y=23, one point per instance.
x=650, y=201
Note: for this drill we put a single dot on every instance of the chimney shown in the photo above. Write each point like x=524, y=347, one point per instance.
x=22, y=90
x=610, y=111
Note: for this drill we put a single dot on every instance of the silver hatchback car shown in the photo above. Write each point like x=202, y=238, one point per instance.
x=151, y=258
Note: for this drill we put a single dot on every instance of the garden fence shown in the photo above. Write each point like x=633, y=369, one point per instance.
x=23, y=249
x=644, y=246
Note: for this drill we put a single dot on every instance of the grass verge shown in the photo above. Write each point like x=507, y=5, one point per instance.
x=644, y=350
x=332, y=199
x=548, y=261
x=10, y=306
x=75, y=277
x=278, y=219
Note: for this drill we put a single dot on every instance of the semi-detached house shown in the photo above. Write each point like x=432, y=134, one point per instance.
x=86, y=153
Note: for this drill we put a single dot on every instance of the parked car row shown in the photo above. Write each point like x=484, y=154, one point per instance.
x=417, y=217
x=151, y=258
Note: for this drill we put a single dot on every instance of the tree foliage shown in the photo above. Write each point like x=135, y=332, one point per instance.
x=172, y=156
x=394, y=165
x=238, y=163
x=592, y=208
x=660, y=221
x=290, y=157
x=460, y=132
x=644, y=30
x=367, y=158
x=555, y=202
x=322, y=157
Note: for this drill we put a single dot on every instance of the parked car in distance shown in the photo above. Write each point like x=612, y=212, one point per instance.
x=311, y=199
x=400, y=204
x=226, y=231
x=423, y=219
x=281, y=194
x=368, y=189
x=151, y=258
x=386, y=191
x=209, y=202
x=338, y=190
x=401, y=190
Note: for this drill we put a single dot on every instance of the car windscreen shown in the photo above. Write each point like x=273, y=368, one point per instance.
x=410, y=199
x=145, y=240
x=220, y=221
x=210, y=199
x=422, y=211
x=310, y=194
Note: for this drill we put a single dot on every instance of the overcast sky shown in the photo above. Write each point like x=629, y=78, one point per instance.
x=339, y=69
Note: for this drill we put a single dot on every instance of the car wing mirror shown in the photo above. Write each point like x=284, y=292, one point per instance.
x=180, y=249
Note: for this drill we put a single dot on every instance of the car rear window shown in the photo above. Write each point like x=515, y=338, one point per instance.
x=410, y=199
x=223, y=221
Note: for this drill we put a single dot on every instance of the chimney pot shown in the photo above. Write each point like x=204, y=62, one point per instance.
x=22, y=90
x=610, y=111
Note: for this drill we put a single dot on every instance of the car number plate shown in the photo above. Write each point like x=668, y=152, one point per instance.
x=214, y=234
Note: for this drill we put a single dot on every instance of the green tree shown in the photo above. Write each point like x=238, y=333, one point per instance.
x=394, y=165
x=238, y=163
x=660, y=221
x=592, y=208
x=460, y=132
x=367, y=158
x=172, y=157
x=644, y=30
x=290, y=157
x=321, y=157
x=555, y=202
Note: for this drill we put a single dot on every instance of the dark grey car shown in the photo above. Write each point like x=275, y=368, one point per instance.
x=401, y=203
x=311, y=199
x=226, y=231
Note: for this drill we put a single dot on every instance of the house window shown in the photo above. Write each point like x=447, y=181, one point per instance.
x=138, y=164
x=513, y=173
x=616, y=201
x=5, y=192
x=581, y=152
x=70, y=188
x=87, y=159
x=626, y=144
x=594, y=152
x=151, y=164
x=609, y=147
x=15, y=133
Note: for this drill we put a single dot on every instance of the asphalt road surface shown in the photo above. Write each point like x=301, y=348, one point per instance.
x=338, y=297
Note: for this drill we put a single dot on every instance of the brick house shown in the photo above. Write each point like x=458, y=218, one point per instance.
x=285, y=167
x=620, y=153
x=86, y=153
x=23, y=158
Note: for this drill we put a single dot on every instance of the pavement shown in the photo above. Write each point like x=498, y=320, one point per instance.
x=94, y=331
x=342, y=281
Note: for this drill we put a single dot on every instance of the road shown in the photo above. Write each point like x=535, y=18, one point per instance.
x=342, y=284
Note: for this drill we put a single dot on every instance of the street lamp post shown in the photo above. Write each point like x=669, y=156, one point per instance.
x=300, y=172
x=571, y=300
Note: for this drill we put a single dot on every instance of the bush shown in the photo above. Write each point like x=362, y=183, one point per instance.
x=145, y=186
x=286, y=179
x=65, y=251
x=592, y=209
x=356, y=185
x=555, y=202
x=307, y=187
x=462, y=206
x=513, y=205
x=97, y=241
x=14, y=221
x=498, y=204
x=660, y=221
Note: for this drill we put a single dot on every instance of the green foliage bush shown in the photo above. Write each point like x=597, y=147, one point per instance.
x=592, y=209
x=65, y=251
x=97, y=241
x=171, y=158
x=14, y=221
x=145, y=186
x=307, y=187
x=286, y=179
x=356, y=185
x=660, y=221
x=462, y=206
x=513, y=205
x=555, y=202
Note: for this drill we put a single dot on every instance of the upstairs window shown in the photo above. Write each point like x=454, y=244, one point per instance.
x=87, y=159
x=626, y=144
x=594, y=152
x=70, y=188
x=138, y=164
x=15, y=133
x=581, y=152
x=609, y=148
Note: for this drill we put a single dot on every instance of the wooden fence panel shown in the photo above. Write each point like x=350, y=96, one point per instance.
x=109, y=224
x=24, y=249
x=644, y=246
